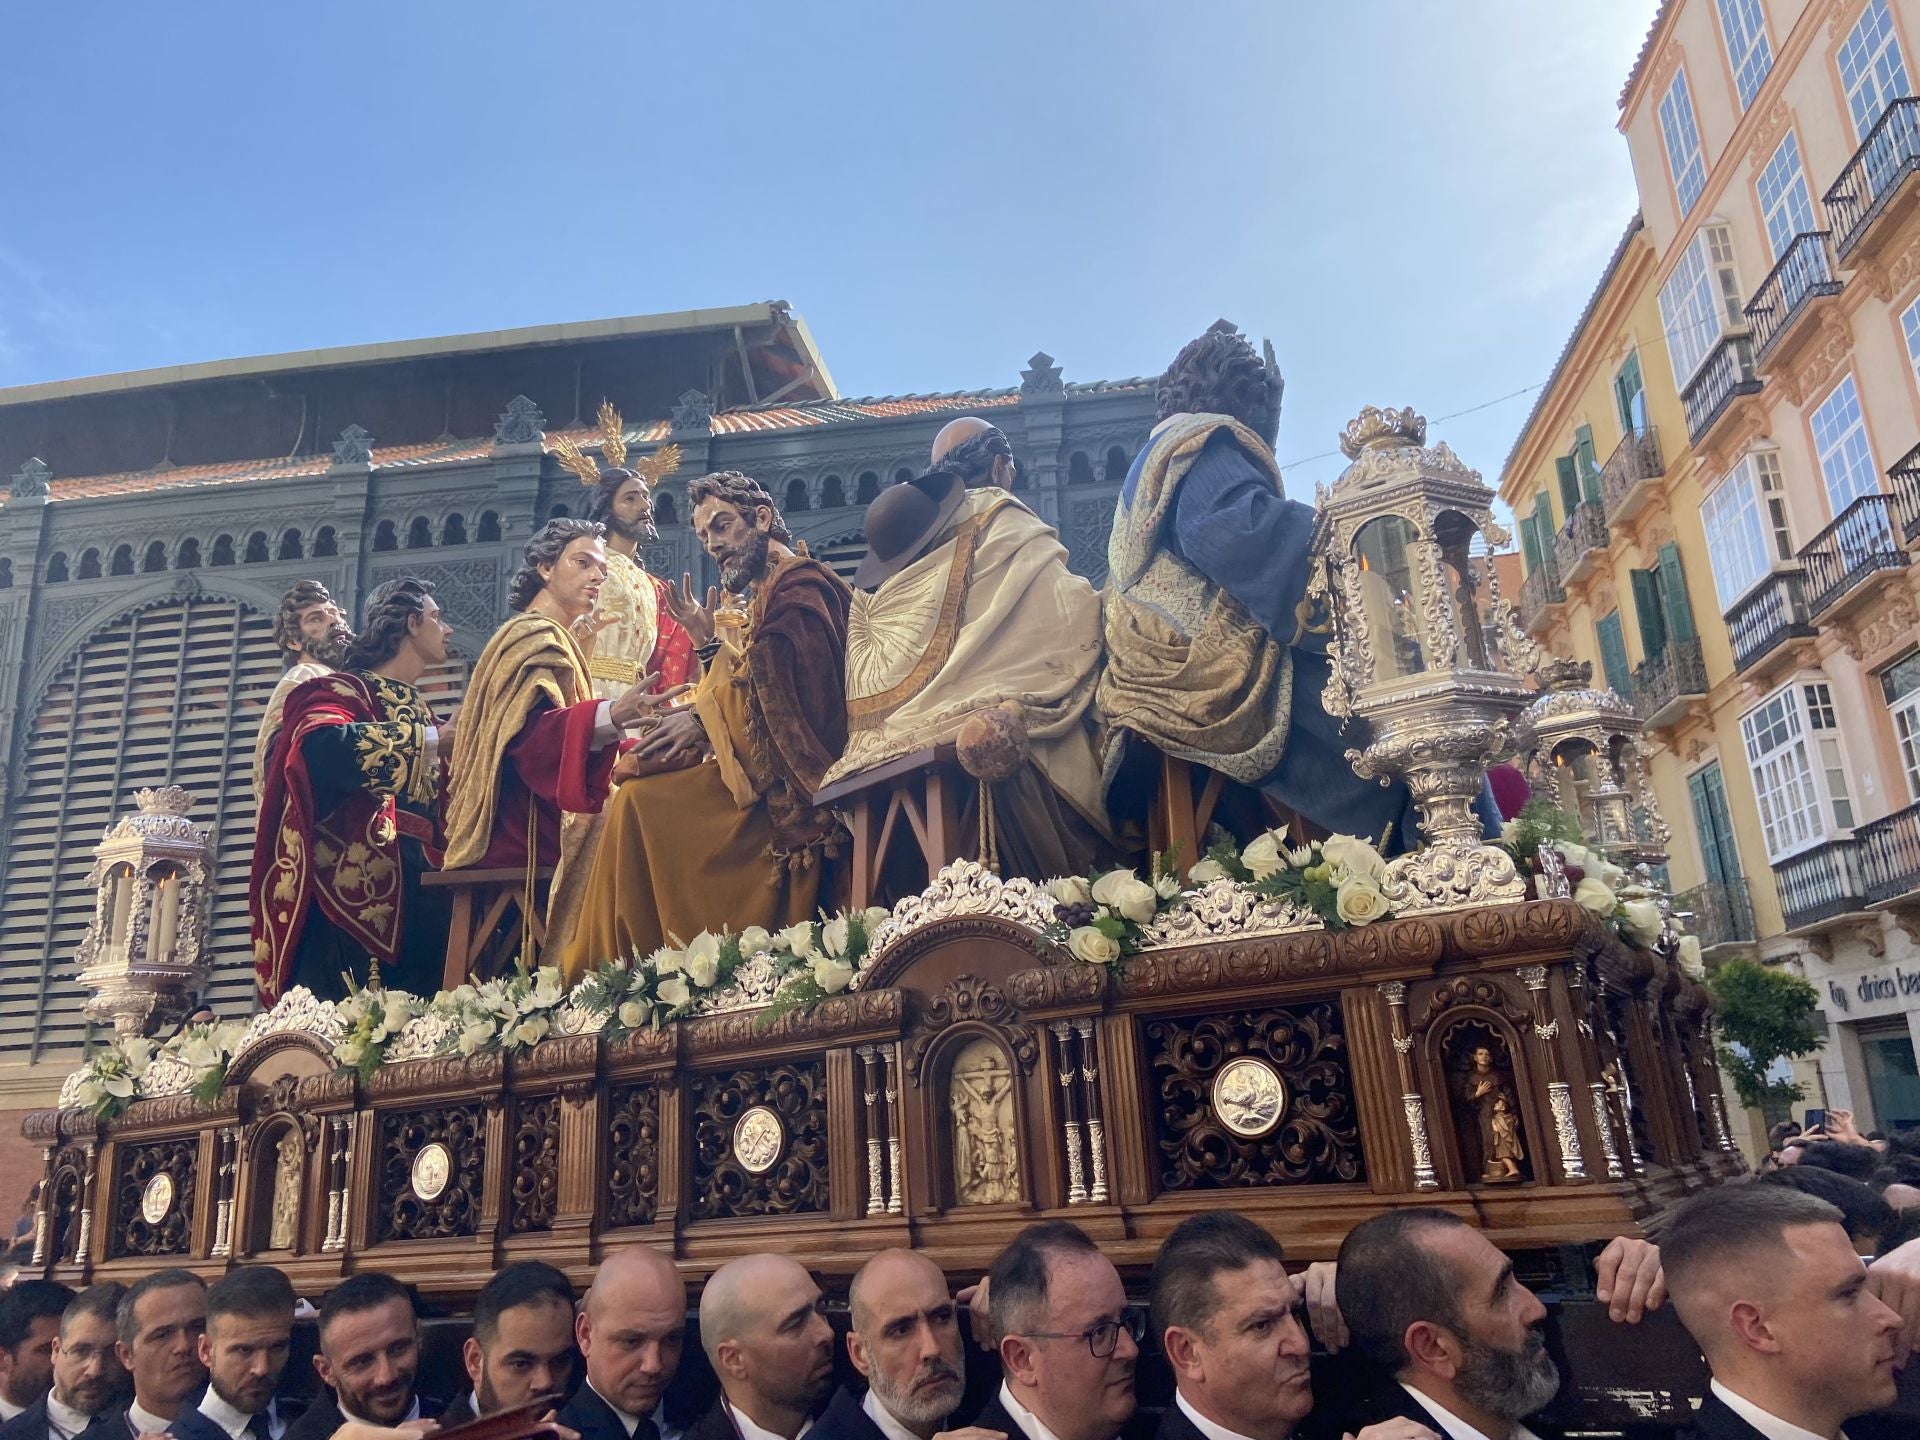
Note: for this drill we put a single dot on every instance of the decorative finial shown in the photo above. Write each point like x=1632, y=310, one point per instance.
x=354, y=447
x=167, y=800
x=520, y=424
x=1377, y=429
x=33, y=480
x=1562, y=673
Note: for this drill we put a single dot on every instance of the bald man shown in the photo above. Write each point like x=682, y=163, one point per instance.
x=906, y=1342
x=630, y=1330
x=764, y=1327
x=977, y=451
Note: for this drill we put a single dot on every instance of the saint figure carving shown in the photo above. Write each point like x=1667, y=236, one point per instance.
x=286, y=1192
x=986, y=1158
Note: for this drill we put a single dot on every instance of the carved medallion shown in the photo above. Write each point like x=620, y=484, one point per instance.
x=432, y=1169
x=157, y=1199
x=1249, y=1097
x=758, y=1139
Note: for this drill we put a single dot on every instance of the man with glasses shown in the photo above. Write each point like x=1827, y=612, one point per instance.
x=1068, y=1340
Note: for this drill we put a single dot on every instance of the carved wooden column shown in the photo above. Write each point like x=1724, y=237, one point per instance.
x=896, y=1151
x=41, y=1218
x=226, y=1166
x=339, y=1145
x=876, y=1155
x=1394, y=992
x=1546, y=1030
x=1067, y=1070
x=89, y=1193
x=1097, y=1190
x=1572, y=1009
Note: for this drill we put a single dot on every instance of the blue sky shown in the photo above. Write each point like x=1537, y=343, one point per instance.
x=1412, y=199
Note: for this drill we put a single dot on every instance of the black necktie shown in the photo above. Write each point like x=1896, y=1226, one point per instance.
x=258, y=1427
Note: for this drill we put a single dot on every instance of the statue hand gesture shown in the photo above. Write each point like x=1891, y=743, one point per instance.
x=637, y=704
x=696, y=619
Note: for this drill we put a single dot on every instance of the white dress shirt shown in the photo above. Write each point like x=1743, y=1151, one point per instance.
x=63, y=1421
x=234, y=1421
x=632, y=1422
x=1035, y=1427
x=9, y=1410
x=1765, y=1421
x=143, y=1421
x=413, y=1413
x=1213, y=1430
x=1453, y=1425
x=748, y=1430
x=889, y=1423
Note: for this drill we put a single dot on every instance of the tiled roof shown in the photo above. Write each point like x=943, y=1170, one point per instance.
x=1646, y=51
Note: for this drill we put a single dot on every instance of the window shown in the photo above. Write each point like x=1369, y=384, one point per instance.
x=420, y=533
x=453, y=530
x=1682, y=137
x=1660, y=602
x=867, y=488
x=1744, y=28
x=1784, y=200
x=1630, y=395
x=1701, y=301
x=1799, y=774
x=1719, y=854
x=1872, y=70
x=1900, y=682
x=1910, y=327
x=1745, y=517
x=796, y=496
x=1840, y=442
x=1613, y=654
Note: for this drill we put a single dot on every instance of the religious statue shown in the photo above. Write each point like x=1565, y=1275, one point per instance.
x=986, y=1162
x=350, y=812
x=1489, y=1111
x=713, y=825
x=288, y=1156
x=311, y=632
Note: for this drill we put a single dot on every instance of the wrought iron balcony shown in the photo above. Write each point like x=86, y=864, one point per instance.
x=1540, y=590
x=1663, y=683
x=1904, y=480
x=1858, y=545
x=1820, y=883
x=1890, y=855
x=1768, y=616
x=1803, y=275
x=1580, y=539
x=1874, y=176
x=1624, y=479
x=1727, y=375
x=1720, y=913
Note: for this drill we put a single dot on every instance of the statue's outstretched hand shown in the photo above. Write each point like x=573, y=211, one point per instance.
x=696, y=619
x=639, y=702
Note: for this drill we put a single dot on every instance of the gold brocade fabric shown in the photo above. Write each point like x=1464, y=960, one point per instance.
x=620, y=650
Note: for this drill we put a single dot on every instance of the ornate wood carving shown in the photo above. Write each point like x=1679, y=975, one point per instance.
x=1271, y=960
x=747, y=1029
x=131, y=1232
x=633, y=1154
x=174, y=1110
x=795, y=1182
x=1472, y=990
x=556, y=1056
x=642, y=1045
x=1052, y=986
x=536, y=1164
x=1317, y=1141
x=403, y=1215
x=968, y=998
x=451, y=1072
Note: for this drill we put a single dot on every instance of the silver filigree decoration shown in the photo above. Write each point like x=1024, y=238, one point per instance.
x=963, y=887
x=1423, y=1176
x=423, y=1037
x=580, y=1020
x=755, y=982
x=300, y=1012
x=1603, y=1122
x=1560, y=1101
x=167, y=1075
x=1546, y=1032
x=1224, y=908
x=1552, y=883
x=1448, y=877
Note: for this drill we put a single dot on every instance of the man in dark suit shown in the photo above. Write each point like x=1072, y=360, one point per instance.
x=1068, y=1340
x=1767, y=1283
x=764, y=1328
x=158, y=1327
x=522, y=1342
x=630, y=1330
x=1431, y=1303
x=30, y=1312
x=87, y=1375
x=369, y=1360
x=245, y=1346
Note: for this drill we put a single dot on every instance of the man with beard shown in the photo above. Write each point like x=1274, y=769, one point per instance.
x=716, y=825
x=30, y=1312
x=522, y=1342
x=631, y=1327
x=1429, y=1301
x=160, y=1321
x=313, y=633
x=87, y=1375
x=1068, y=1339
x=369, y=1359
x=763, y=1325
x=1769, y=1287
x=631, y=632
x=245, y=1346
x=535, y=748
x=350, y=812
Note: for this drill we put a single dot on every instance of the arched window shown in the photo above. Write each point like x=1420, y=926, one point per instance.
x=903, y=474
x=56, y=567
x=489, y=527
x=122, y=563
x=1117, y=463
x=1080, y=469
x=665, y=510
x=797, y=497
x=189, y=558
x=89, y=564
x=155, y=558
x=326, y=541
x=419, y=534
x=866, y=489
x=290, y=546
x=454, y=532
x=257, y=548
x=6, y=574
x=222, y=550
x=383, y=537
x=833, y=494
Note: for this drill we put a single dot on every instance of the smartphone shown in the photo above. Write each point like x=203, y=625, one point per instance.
x=1816, y=1120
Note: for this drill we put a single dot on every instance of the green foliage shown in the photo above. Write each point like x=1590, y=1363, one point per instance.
x=1540, y=822
x=1224, y=853
x=1763, y=1015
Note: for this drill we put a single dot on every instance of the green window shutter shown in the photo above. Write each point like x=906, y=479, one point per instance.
x=1718, y=851
x=1530, y=542
x=1613, y=654
x=1648, y=609
x=1673, y=590
x=1543, y=516
x=1569, y=485
x=1629, y=394
x=1587, y=464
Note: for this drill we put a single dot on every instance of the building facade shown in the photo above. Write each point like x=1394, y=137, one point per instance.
x=1776, y=150
x=145, y=542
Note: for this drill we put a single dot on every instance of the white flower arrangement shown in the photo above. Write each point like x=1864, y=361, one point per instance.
x=110, y=1080
x=206, y=1050
x=509, y=1013
x=372, y=1019
x=1342, y=879
x=1101, y=918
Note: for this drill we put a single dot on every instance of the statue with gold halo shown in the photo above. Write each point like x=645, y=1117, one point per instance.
x=630, y=632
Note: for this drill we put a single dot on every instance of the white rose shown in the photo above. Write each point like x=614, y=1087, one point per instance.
x=89, y=1094
x=1207, y=871
x=1351, y=857
x=632, y=1014
x=1610, y=874
x=547, y=989
x=351, y=1052
x=703, y=959
x=1126, y=893
x=1691, y=961
x=1574, y=854
x=531, y=1031
x=1092, y=945
x=398, y=1011
x=832, y=975
x=1640, y=919
x=667, y=961
x=673, y=992
x=798, y=939
x=754, y=939
x=1359, y=901
x=1070, y=890
x=1595, y=895
x=474, y=1038
x=875, y=916
x=833, y=936
x=1263, y=857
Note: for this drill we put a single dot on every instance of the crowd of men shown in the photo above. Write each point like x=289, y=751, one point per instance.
x=1802, y=1338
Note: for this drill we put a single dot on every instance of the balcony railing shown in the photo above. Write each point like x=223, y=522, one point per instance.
x=1767, y=617
x=1856, y=546
x=1540, y=589
x=1904, y=480
x=1727, y=375
x=1663, y=682
x=1635, y=460
x=1720, y=913
x=1890, y=855
x=1820, y=883
x=1889, y=154
x=1803, y=274
x=1584, y=532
